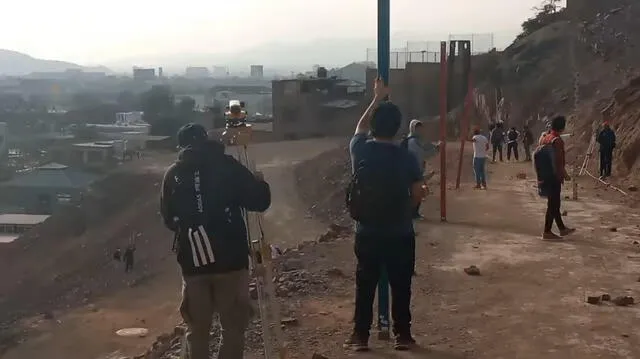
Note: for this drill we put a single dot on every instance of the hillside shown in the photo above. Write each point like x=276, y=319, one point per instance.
x=536, y=76
x=13, y=63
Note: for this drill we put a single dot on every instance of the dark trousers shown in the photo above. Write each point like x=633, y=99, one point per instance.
x=554, y=193
x=128, y=266
x=397, y=256
x=527, y=151
x=497, y=148
x=416, y=213
x=512, y=146
x=606, y=159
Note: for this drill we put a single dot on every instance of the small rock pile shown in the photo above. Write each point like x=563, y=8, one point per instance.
x=299, y=282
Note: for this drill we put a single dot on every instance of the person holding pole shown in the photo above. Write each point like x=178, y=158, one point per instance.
x=385, y=189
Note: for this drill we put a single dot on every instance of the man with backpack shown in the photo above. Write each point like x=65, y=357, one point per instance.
x=607, y=140
x=420, y=150
x=512, y=143
x=527, y=142
x=549, y=161
x=204, y=194
x=497, y=140
x=385, y=188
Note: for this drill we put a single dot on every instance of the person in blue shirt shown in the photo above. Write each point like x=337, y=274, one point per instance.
x=390, y=245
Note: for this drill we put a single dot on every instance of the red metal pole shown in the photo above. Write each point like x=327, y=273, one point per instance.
x=464, y=123
x=443, y=131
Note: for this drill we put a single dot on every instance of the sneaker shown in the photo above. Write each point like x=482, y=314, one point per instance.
x=550, y=236
x=404, y=342
x=357, y=343
x=477, y=187
x=567, y=231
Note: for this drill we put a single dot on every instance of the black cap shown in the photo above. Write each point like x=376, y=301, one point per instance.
x=191, y=134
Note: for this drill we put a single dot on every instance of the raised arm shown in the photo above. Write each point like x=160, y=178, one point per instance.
x=380, y=91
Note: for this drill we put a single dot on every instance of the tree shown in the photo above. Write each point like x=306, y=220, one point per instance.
x=157, y=101
x=83, y=100
x=548, y=12
x=128, y=101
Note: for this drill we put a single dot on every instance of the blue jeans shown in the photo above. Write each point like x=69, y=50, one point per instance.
x=479, y=170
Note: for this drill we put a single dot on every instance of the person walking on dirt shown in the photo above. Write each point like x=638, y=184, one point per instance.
x=527, y=142
x=203, y=196
x=385, y=187
x=607, y=140
x=480, y=148
x=512, y=143
x=552, y=186
x=497, y=140
x=421, y=151
x=117, y=255
x=128, y=258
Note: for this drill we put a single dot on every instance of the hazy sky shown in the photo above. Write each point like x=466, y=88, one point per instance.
x=87, y=33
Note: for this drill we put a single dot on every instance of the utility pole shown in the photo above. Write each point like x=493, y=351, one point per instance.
x=384, y=53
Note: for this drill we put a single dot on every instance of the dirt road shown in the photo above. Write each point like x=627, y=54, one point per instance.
x=149, y=296
x=529, y=302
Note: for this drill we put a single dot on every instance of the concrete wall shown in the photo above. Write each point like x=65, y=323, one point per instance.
x=414, y=89
x=300, y=114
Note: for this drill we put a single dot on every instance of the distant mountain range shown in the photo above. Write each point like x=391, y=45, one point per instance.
x=13, y=63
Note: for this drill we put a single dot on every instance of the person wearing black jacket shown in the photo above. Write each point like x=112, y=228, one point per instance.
x=203, y=196
x=607, y=140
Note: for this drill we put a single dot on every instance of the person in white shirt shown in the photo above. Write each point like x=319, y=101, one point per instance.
x=480, y=149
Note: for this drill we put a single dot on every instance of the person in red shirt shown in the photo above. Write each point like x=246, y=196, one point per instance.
x=554, y=188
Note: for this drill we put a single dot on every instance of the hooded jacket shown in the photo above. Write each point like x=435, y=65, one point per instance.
x=208, y=190
x=420, y=150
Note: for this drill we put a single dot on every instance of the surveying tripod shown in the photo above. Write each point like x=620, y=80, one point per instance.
x=237, y=137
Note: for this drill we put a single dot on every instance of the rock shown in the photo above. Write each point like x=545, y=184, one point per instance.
x=635, y=243
x=565, y=213
x=472, y=270
x=595, y=300
x=335, y=272
x=623, y=301
x=318, y=356
x=521, y=175
x=606, y=298
x=292, y=264
x=613, y=229
x=289, y=321
x=632, y=188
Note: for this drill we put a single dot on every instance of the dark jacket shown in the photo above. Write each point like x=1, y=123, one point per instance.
x=227, y=188
x=607, y=139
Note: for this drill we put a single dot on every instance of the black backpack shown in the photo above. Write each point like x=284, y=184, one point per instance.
x=512, y=135
x=194, y=207
x=545, y=166
x=378, y=193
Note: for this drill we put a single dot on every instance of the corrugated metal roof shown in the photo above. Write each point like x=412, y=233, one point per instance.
x=8, y=238
x=52, y=178
x=23, y=219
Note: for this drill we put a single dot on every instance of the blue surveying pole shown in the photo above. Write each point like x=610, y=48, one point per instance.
x=384, y=52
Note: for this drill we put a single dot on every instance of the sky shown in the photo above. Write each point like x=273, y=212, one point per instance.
x=89, y=34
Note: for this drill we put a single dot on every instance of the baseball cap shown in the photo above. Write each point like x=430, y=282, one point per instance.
x=191, y=134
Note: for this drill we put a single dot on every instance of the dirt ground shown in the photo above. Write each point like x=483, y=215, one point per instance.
x=529, y=302
x=94, y=298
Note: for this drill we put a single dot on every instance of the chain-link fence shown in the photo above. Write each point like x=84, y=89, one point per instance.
x=429, y=51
